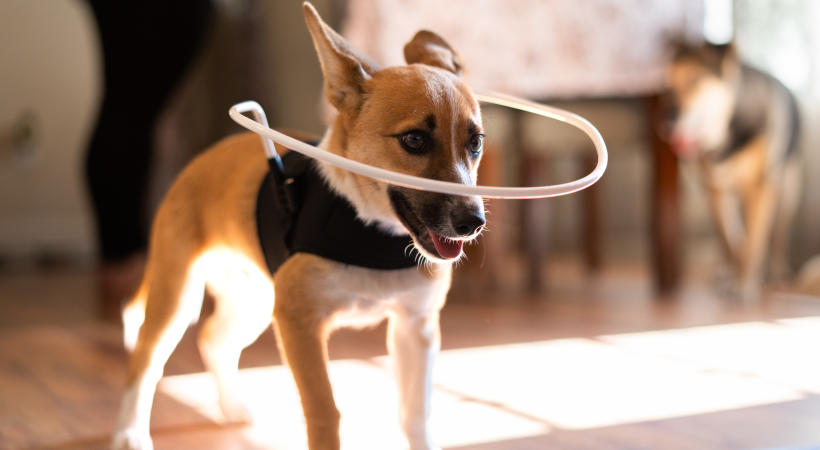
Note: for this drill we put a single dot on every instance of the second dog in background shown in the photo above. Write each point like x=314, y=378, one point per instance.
x=740, y=126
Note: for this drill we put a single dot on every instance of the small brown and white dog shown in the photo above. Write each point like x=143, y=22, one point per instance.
x=740, y=126
x=418, y=119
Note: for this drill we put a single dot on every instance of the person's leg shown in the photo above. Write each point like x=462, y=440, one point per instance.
x=147, y=47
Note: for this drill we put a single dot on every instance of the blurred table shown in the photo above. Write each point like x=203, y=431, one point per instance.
x=559, y=49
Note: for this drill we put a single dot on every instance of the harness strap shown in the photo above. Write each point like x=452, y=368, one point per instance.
x=297, y=211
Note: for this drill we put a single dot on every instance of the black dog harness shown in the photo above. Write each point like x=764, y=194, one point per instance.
x=296, y=211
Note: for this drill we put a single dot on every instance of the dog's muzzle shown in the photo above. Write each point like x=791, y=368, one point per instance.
x=439, y=224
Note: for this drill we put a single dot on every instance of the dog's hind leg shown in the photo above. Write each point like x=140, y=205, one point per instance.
x=244, y=307
x=133, y=315
x=173, y=302
x=788, y=201
x=761, y=206
x=413, y=341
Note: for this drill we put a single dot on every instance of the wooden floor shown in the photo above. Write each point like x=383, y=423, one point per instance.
x=591, y=363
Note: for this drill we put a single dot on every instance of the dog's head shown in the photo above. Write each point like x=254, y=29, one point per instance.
x=418, y=119
x=702, y=83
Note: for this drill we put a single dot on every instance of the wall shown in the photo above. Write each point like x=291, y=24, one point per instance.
x=48, y=67
x=782, y=38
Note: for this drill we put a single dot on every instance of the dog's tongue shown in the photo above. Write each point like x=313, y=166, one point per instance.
x=447, y=249
x=682, y=145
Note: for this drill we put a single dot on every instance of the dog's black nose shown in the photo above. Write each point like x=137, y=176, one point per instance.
x=468, y=222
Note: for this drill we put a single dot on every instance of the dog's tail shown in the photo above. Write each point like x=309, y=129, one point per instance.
x=133, y=314
x=808, y=279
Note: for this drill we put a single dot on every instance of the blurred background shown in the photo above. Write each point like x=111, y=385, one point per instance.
x=614, y=266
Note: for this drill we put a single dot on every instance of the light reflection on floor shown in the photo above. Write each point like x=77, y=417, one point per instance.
x=495, y=393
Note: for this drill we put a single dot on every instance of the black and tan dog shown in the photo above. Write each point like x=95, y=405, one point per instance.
x=418, y=119
x=740, y=126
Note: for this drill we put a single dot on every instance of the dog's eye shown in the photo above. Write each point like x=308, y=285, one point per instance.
x=476, y=143
x=415, y=142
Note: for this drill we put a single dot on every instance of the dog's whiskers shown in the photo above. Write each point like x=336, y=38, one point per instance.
x=419, y=258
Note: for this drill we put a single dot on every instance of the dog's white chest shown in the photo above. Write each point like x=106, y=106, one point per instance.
x=359, y=297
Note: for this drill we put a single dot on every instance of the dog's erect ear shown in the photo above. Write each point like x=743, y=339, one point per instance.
x=723, y=51
x=429, y=48
x=344, y=68
x=721, y=58
x=677, y=45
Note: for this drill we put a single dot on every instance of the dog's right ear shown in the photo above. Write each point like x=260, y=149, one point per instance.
x=429, y=48
x=722, y=59
x=345, y=69
x=676, y=45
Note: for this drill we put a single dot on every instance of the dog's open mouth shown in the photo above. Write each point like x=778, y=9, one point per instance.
x=431, y=242
x=683, y=145
x=447, y=248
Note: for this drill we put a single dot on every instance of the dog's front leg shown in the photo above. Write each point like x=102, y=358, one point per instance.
x=302, y=340
x=413, y=341
x=727, y=214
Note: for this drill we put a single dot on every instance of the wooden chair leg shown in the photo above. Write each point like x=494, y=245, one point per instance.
x=591, y=221
x=486, y=259
x=665, y=208
x=535, y=224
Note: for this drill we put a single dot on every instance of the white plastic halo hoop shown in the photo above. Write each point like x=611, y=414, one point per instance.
x=259, y=125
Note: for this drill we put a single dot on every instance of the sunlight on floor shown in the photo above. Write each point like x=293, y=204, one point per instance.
x=495, y=393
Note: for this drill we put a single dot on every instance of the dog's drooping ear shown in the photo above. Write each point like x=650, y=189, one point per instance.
x=429, y=48
x=344, y=68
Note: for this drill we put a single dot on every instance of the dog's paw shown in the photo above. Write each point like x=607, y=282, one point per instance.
x=235, y=411
x=424, y=447
x=750, y=293
x=130, y=439
x=422, y=443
